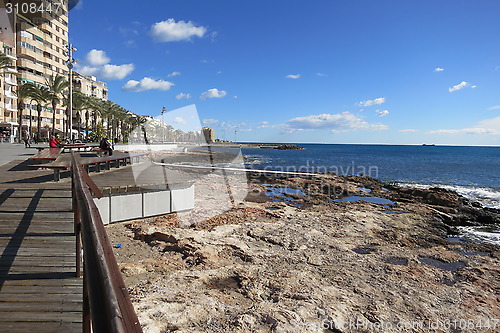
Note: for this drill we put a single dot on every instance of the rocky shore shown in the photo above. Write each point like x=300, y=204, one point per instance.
x=308, y=255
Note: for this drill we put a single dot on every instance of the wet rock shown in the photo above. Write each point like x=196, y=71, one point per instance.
x=249, y=269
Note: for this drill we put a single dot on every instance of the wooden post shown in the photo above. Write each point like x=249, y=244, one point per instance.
x=77, y=229
x=86, y=306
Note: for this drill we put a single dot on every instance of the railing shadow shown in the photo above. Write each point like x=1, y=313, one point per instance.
x=12, y=248
x=23, y=166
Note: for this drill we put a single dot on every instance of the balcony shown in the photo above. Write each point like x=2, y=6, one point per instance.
x=11, y=69
x=10, y=81
x=9, y=94
x=10, y=107
x=12, y=57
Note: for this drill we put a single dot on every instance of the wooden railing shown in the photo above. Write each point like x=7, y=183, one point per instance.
x=106, y=304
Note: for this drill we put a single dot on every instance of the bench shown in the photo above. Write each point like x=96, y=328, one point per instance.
x=99, y=151
x=64, y=164
x=79, y=146
x=47, y=154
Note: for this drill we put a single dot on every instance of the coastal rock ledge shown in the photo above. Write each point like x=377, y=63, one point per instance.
x=289, y=147
x=311, y=264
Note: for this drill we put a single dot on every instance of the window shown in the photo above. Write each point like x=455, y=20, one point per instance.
x=26, y=34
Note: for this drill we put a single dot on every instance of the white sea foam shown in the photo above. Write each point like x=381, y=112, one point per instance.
x=489, y=235
x=488, y=197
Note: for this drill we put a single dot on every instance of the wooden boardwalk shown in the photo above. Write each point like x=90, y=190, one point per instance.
x=38, y=288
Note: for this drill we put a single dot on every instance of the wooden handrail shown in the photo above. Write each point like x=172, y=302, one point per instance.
x=107, y=305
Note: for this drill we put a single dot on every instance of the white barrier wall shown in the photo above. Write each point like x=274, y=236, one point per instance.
x=128, y=206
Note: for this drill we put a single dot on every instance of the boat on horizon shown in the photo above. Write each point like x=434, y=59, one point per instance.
x=426, y=145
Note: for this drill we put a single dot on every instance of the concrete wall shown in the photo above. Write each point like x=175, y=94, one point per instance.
x=142, y=147
x=128, y=206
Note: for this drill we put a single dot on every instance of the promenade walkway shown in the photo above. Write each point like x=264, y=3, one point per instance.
x=38, y=288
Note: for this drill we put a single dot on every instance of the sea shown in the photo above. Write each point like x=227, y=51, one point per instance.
x=473, y=172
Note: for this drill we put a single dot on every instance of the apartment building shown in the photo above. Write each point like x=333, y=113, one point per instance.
x=8, y=82
x=209, y=134
x=90, y=86
x=37, y=43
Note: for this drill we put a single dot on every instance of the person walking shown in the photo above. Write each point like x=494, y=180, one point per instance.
x=26, y=140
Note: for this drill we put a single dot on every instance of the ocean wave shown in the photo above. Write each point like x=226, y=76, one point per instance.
x=485, y=234
x=488, y=197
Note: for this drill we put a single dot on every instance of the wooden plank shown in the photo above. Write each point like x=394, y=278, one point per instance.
x=68, y=282
x=47, y=154
x=51, y=288
x=39, y=297
x=15, y=327
x=41, y=307
x=42, y=316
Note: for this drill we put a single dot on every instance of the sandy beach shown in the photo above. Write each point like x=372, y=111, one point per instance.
x=280, y=261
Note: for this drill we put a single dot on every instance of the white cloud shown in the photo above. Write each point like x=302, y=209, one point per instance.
x=179, y=120
x=183, y=96
x=438, y=69
x=127, y=32
x=108, y=72
x=408, y=130
x=473, y=87
x=87, y=70
x=115, y=72
x=213, y=93
x=174, y=74
x=293, y=76
x=487, y=126
x=459, y=86
x=130, y=43
x=382, y=113
x=210, y=121
x=97, y=64
x=495, y=107
x=147, y=84
x=472, y=130
x=263, y=124
x=340, y=122
x=97, y=58
x=321, y=74
x=375, y=101
x=172, y=31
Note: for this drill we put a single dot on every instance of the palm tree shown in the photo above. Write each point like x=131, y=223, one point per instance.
x=128, y=125
x=56, y=85
x=141, y=120
x=23, y=92
x=120, y=116
x=95, y=105
x=107, y=110
x=41, y=96
x=81, y=103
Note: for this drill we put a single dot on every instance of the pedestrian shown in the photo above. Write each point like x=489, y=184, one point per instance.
x=26, y=140
x=53, y=142
x=104, y=145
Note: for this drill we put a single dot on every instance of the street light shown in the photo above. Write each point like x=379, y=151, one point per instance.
x=70, y=63
x=163, y=124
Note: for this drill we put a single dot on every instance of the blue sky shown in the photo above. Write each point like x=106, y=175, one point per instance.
x=401, y=72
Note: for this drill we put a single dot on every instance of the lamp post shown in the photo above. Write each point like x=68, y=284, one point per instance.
x=30, y=131
x=163, y=125
x=70, y=63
